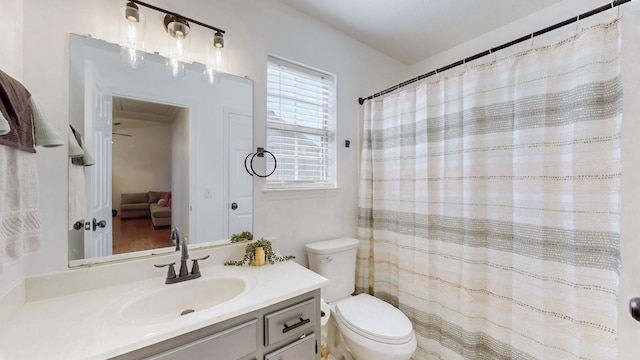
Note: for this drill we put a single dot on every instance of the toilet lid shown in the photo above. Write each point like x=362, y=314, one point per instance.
x=374, y=319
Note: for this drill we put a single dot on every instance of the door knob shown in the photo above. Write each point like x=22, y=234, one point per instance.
x=78, y=225
x=96, y=224
x=634, y=308
x=234, y=206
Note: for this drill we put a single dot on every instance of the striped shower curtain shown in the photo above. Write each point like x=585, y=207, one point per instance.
x=489, y=204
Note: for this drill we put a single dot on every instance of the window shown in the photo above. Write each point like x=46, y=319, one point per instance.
x=300, y=126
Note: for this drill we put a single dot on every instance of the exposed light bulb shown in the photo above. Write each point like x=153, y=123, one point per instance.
x=132, y=31
x=131, y=12
x=218, y=40
x=215, y=63
x=179, y=45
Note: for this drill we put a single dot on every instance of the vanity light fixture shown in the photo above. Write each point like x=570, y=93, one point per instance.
x=179, y=44
x=178, y=28
x=131, y=12
x=132, y=29
x=218, y=40
x=215, y=59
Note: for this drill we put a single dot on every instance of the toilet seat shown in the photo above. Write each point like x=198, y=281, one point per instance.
x=363, y=313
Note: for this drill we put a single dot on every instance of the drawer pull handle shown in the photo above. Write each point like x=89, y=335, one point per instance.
x=288, y=328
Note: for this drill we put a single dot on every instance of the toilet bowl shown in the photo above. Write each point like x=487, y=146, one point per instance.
x=361, y=326
x=373, y=329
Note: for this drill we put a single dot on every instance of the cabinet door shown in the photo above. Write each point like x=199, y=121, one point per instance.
x=231, y=344
x=303, y=349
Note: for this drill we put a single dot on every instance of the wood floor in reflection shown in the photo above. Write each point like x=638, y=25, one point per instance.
x=136, y=234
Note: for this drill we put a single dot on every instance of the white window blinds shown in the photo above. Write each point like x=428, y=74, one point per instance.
x=300, y=125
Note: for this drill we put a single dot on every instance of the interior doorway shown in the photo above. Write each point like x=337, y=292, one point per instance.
x=149, y=172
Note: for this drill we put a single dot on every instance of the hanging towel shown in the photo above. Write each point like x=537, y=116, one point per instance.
x=19, y=207
x=86, y=159
x=77, y=195
x=4, y=125
x=44, y=133
x=16, y=109
x=75, y=151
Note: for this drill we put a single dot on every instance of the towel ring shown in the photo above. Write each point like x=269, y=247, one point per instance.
x=260, y=153
x=245, y=164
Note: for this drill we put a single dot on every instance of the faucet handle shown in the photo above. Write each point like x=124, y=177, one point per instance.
x=195, y=269
x=185, y=249
x=171, y=273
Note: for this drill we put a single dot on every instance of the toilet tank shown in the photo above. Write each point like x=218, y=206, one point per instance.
x=335, y=260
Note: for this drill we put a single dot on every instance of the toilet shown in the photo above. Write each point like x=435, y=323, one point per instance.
x=362, y=326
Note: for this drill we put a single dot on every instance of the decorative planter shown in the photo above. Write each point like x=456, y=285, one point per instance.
x=243, y=236
x=259, y=257
x=258, y=253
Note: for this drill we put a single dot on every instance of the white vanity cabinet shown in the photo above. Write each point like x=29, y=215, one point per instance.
x=302, y=349
x=218, y=344
x=283, y=331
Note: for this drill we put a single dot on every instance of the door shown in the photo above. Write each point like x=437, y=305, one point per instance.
x=240, y=182
x=98, y=234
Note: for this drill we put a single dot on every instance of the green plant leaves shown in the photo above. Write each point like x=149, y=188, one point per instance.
x=271, y=256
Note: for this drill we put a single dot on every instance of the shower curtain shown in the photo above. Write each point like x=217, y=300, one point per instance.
x=489, y=204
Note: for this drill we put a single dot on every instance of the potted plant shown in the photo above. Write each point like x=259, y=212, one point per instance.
x=243, y=236
x=258, y=253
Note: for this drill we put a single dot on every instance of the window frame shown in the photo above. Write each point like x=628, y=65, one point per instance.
x=329, y=131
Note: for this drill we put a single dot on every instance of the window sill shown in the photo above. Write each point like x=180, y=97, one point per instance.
x=301, y=192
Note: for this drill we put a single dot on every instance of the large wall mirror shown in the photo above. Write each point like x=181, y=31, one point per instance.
x=163, y=152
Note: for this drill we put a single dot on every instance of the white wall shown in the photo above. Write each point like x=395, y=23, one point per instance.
x=141, y=162
x=11, y=37
x=628, y=329
x=11, y=63
x=254, y=29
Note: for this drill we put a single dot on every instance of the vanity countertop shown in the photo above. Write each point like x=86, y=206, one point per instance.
x=86, y=324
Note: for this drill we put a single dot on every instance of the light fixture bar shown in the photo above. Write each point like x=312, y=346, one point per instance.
x=177, y=15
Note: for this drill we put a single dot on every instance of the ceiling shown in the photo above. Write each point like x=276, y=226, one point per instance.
x=133, y=114
x=413, y=30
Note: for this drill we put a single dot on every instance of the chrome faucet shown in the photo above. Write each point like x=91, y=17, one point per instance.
x=184, y=273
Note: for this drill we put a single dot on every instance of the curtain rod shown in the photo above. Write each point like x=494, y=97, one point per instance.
x=500, y=47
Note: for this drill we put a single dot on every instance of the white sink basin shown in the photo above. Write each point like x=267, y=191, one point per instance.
x=180, y=299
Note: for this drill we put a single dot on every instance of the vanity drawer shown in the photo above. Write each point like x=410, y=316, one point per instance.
x=290, y=322
x=303, y=349
x=230, y=344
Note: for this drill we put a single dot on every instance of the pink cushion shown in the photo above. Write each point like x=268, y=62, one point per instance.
x=167, y=198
